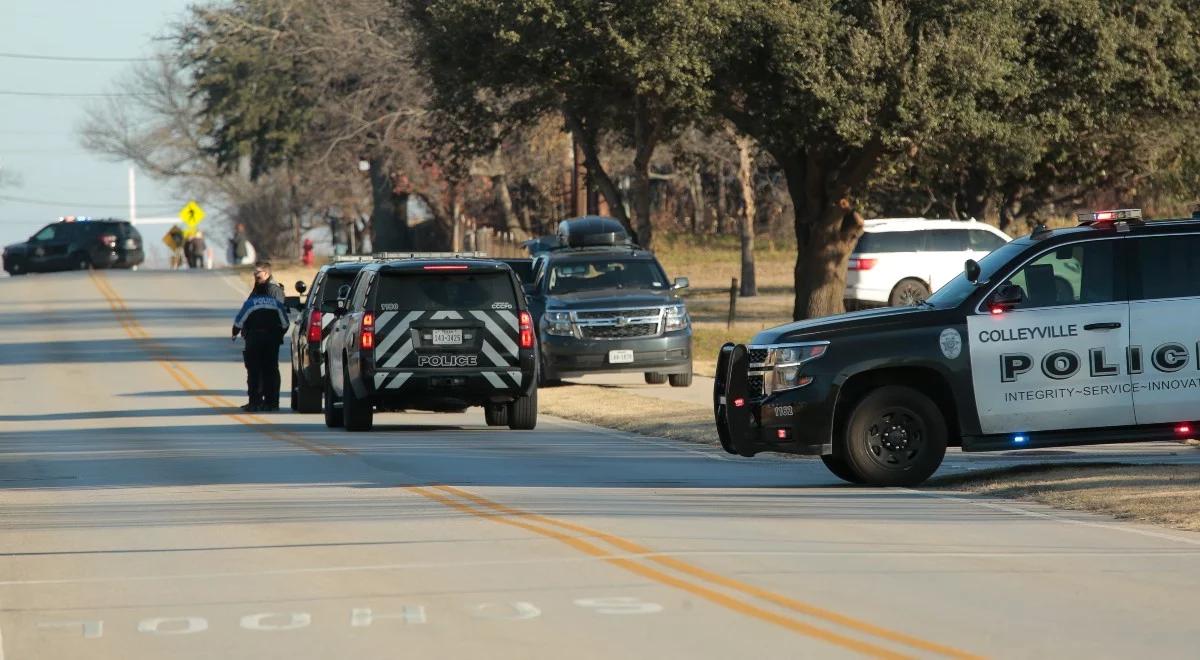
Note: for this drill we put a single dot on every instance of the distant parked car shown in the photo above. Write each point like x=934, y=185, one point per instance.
x=901, y=261
x=76, y=245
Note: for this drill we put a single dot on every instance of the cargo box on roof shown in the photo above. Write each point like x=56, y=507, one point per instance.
x=591, y=230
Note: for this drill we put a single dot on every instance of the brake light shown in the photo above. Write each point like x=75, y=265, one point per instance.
x=366, y=336
x=455, y=267
x=108, y=240
x=997, y=310
x=314, y=327
x=859, y=263
x=1183, y=429
x=526, y=326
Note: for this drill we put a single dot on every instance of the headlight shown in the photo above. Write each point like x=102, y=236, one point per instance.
x=557, y=323
x=783, y=365
x=677, y=318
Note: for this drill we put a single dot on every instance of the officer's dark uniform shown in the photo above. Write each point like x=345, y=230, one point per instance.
x=262, y=321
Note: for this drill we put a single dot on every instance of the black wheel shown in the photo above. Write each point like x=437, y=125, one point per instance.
x=654, y=379
x=909, y=292
x=496, y=414
x=295, y=380
x=681, y=380
x=306, y=399
x=80, y=261
x=333, y=414
x=358, y=415
x=522, y=413
x=895, y=436
x=837, y=465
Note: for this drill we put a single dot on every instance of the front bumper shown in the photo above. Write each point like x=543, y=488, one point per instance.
x=797, y=421
x=567, y=357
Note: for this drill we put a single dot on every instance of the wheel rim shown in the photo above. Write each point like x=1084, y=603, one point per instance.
x=895, y=438
x=909, y=295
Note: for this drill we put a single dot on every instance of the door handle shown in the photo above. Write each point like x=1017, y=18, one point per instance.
x=1112, y=325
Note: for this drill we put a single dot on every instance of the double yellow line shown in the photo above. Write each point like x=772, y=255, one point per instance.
x=191, y=383
x=734, y=595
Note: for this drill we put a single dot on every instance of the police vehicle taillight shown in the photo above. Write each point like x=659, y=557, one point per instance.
x=858, y=263
x=366, y=336
x=314, y=327
x=108, y=240
x=526, y=329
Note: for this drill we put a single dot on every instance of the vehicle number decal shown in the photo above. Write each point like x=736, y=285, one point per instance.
x=389, y=307
x=501, y=305
x=784, y=411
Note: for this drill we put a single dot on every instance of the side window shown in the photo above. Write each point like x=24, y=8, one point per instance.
x=314, y=293
x=946, y=240
x=891, y=241
x=46, y=234
x=1078, y=274
x=1168, y=266
x=361, y=289
x=985, y=241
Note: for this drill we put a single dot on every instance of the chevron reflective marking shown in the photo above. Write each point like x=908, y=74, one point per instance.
x=491, y=354
x=445, y=315
x=391, y=335
x=399, y=355
x=493, y=378
x=509, y=318
x=499, y=334
x=400, y=379
x=382, y=320
x=379, y=378
x=516, y=376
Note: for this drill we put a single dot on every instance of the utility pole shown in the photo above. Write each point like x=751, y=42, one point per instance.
x=132, y=198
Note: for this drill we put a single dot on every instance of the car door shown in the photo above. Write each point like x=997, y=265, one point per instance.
x=1164, y=312
x=1055, y=360
x=47, y=248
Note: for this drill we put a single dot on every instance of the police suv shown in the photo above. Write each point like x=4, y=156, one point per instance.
x=1072, y=336
x=431, y=332
x=311, y=336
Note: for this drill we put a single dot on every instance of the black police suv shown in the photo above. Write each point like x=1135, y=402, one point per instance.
x=602, y=304
x=77, y=245
x=1073, y=336
x=432, y=332
x=310, y=336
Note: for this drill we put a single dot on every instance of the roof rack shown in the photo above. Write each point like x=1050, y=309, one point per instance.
x=429, y=255
x=351, y=258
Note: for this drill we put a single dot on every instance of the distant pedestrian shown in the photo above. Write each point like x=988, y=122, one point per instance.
x=174, y=241
x=198, y=248
x=241, y=250
x=262, y=322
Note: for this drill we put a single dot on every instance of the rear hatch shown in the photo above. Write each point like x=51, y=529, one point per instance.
x=446, y=320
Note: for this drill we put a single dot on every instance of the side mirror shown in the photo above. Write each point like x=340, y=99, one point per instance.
x=680, y=283
x=1006, y=297
x=971, y=268
x=301, y=287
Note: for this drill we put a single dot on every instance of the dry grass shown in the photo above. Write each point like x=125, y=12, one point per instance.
x=1166, y=495
x=613, y=408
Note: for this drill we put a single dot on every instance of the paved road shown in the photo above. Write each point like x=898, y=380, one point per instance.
x=143, y=517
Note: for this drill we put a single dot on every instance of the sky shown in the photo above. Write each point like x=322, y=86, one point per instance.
x=38, y=140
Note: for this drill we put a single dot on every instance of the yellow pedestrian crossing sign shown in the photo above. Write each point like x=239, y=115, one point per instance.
x=191, y=214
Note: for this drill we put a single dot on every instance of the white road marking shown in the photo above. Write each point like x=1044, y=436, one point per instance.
x=91, y=629
x=619, y=605
x=191, y=624
x=361, y=617
x=516, y=611
x=258, y=621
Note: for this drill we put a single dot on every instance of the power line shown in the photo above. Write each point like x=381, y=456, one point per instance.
x=5, y=92
x=66, y=58
x=43, y=202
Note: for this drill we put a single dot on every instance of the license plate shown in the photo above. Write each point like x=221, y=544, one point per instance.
x=620, y=357
x=447, y=337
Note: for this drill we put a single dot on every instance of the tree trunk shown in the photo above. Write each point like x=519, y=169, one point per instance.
x=720, y=219
x=512, y=223
x=388, y=233
x=745, y=146
x=586, y=140
x=645, y=136
x=699, y=203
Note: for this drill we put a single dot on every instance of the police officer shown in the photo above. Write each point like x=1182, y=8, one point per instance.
x=262, y=322
x=262, y=275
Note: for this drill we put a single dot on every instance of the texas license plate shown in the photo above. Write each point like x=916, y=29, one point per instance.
x=447, y=337
x=620, y=357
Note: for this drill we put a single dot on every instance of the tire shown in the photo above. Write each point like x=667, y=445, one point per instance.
x=908, y=292
x=681, y=380
x=894, y=436
x=358, y=415
x=496, y=415
x=294, y=405
x=80, y=261
x=305, y=398
x=654, y=379
x=837, y=465
x=522, y=413
x=334, y=418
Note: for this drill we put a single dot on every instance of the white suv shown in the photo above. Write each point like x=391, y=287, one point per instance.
x=900, y=261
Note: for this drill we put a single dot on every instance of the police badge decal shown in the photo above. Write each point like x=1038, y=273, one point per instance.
x=951, y=343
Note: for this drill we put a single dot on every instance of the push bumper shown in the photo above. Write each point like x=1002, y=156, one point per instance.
x=790, y=422
x=567, y=357
x=448, y=388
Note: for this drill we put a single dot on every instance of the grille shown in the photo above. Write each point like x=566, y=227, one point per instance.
x=620, y=331
x=615, y=313
x=755, y=385
x=757, y=355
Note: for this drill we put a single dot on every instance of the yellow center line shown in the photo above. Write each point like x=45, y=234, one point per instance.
x=709, y=576
x=655, y=575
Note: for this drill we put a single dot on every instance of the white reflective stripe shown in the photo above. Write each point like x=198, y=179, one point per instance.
x=379, y=378
x=492, y=355
x=399, y=355
x=446, y=315
x=395, y=334
x=497, y=332
x=382, y=321
x=516, y=376
x=326, y=319
x=399, y=380
x=509, y=318
x=494, y=380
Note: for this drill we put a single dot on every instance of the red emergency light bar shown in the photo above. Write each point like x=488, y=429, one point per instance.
x=1097, y=217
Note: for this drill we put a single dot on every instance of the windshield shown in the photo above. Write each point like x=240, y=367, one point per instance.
x=956, y=290
x=597, y=274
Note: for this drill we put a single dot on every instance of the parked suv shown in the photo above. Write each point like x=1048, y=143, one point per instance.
x=311, y=335
x=602, y=304
x=901, y=261
x=76, y=245
x=431, y=333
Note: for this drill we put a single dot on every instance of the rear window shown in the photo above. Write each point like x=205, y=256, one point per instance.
x=333, y=282
x=891, y=241
x=429, y=292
